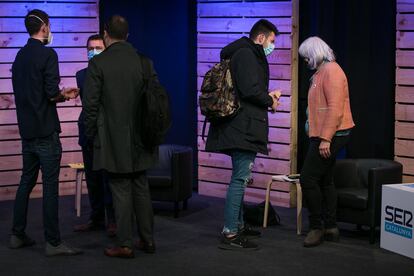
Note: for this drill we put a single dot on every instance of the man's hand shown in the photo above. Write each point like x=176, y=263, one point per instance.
x=70, y=92
x=275, y=94
x=275, y=105
x=325, y=149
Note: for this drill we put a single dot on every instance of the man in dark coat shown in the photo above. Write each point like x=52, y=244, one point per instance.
x=245, y=134
x=100, y=197
x=114, y=82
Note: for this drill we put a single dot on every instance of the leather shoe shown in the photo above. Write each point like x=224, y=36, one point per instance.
x=314, y=238
x=89, y=226
x=147, y=247
x=119, y=252
x=332, y=234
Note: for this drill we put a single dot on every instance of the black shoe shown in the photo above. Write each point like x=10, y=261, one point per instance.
x=332, y=234
x=147, y=247
x=237, y=242
x=248, y=231
x=20, y=242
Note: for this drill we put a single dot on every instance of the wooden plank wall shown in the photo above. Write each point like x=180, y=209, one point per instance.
x=73, y=21
x=219, y=23
x=404, y=90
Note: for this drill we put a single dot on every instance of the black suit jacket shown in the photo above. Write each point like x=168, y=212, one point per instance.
x=80, y=81
x=114, y=83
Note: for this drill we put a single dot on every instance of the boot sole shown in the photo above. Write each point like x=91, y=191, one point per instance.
x=307, y=245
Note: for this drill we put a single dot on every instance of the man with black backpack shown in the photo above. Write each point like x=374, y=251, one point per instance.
x=244, y=133
x=117, y=81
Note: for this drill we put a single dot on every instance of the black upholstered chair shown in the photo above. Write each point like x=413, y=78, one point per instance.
x=171, y=179
x=359, y=187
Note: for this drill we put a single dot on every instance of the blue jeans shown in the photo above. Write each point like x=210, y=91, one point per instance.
x=44, y=154
x=242, y=162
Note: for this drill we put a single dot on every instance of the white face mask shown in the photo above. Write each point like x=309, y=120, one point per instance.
x=49, y=39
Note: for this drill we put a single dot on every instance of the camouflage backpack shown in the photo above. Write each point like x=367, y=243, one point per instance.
x=218, y=99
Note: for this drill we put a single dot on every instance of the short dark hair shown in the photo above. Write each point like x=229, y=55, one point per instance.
x=32, y=21
x=263, y=26
x=94, y=37
x=117, y=27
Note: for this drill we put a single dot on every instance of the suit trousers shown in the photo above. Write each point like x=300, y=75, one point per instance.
x=132, y=203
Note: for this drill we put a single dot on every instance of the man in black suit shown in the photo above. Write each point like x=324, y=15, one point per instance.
x=114, y=82
x=100, y=197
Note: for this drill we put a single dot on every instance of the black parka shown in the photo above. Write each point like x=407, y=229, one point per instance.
x=248, y=129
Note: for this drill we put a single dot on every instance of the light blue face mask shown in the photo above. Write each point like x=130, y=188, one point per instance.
x=269, y=49
x=92, y=53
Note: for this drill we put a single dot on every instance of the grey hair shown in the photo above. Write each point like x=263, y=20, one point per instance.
x=316, y=51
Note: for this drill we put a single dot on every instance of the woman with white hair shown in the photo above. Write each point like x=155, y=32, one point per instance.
x=328, y=126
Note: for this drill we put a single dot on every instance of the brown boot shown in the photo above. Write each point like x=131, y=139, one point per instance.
x=314, y=238
x=332, y=234
x=119, y=252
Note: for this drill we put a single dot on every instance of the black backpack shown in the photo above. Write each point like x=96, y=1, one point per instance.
x=155, y=109
x=253, y=214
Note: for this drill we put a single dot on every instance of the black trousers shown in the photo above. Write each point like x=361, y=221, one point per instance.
x=100, y=197
x=317, y=183
x=44, y=154
x=132, y=202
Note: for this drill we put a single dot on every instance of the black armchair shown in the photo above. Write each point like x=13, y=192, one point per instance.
x=171, y=179
x=359, y=187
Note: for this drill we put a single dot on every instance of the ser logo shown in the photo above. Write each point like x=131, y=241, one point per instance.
x=399, y=221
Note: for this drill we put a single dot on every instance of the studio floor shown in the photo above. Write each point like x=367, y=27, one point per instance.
x=188, y=246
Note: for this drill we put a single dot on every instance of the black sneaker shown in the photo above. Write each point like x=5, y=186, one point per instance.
x=20, y=242
x=248, y=231
x=237, y=242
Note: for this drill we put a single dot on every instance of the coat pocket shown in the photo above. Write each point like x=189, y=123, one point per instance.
x=257, y=130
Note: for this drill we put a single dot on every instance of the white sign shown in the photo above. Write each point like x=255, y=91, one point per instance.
x=397, y=219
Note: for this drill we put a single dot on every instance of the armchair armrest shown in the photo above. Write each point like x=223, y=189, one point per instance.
x=346, y=174
x=390, y=173
x=182, y=171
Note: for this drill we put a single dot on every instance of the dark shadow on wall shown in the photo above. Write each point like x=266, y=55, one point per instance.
x=362, y=34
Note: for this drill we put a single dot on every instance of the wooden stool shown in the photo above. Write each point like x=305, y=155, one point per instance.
x=80, y=171
x=283, y=178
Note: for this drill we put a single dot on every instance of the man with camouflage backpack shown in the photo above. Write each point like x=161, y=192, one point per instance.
x=245, y=133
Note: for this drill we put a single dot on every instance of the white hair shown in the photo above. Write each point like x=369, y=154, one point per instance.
x=316, y=51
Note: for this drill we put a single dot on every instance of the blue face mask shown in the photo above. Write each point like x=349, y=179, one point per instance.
x=93, y=53
x=269, y=49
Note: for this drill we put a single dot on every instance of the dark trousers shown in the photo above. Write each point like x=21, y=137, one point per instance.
x=100, y=196
x=44, y=154
x=132, y=202
x=317, y=184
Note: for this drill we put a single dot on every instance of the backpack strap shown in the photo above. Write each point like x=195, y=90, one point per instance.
x=203, y=135
x=146, y=67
